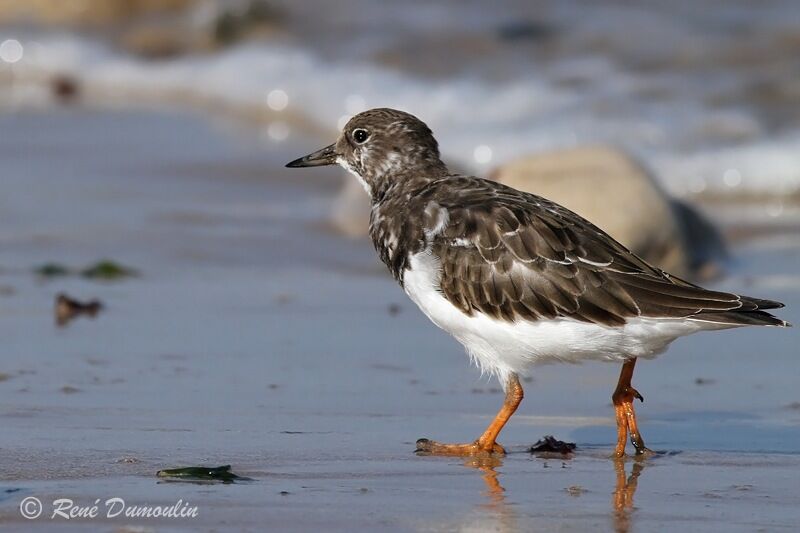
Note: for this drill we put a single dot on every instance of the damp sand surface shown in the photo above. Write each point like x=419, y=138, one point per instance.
x=252, y=336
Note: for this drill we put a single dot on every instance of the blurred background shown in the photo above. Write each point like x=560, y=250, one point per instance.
x=547, y=96
x=704, y=94
x=142, y=145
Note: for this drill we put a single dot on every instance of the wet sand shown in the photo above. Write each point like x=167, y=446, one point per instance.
x=256, y=338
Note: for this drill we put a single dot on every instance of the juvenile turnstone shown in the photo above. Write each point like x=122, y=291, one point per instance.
x=517, y=279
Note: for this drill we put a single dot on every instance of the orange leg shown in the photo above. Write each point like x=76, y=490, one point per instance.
x=626, y=416
x=486, y=444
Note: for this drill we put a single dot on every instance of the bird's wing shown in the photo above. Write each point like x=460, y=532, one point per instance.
x=516, y=256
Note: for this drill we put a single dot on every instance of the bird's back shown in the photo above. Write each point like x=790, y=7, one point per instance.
x=515, y=256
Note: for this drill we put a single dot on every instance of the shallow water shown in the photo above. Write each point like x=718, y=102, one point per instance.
x=255, y=338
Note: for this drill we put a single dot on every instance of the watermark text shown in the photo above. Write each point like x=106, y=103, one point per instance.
x=115, y=507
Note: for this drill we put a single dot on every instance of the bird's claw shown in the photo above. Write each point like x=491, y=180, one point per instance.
x=636, y=394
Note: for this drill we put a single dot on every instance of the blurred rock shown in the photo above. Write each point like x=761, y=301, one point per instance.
x=65, y=89
x=85, y=12
x=605, y=186
x=616, y=193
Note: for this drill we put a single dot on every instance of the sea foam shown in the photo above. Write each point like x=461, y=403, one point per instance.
x=479, y=122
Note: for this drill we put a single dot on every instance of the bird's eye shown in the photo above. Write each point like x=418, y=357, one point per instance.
x=360, y=135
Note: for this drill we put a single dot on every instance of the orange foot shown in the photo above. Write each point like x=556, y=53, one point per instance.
x=430, y=447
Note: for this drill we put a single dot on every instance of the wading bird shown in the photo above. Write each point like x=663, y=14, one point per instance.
x=516, y=278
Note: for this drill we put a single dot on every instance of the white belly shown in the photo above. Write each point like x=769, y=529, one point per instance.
x=501, y=347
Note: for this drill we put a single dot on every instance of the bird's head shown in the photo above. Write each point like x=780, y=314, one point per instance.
x=381, y=145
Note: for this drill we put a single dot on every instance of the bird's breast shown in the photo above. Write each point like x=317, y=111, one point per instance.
x=396, y=237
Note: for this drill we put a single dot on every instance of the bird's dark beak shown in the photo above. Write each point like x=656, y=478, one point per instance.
x=326, y=156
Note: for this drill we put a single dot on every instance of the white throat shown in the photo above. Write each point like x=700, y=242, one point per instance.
x=342, y=162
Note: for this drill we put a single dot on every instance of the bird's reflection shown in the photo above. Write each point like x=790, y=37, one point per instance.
x=498, y=516
x=487, y=466
x=622, y=501
x=501, y=516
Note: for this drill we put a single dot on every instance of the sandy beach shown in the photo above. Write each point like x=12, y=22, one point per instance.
x=255, y=337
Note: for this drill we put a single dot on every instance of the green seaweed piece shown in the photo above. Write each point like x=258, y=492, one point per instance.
x=203, y=473
x=52, y=270
x=107, y=270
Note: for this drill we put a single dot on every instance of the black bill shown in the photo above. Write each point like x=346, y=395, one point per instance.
x=326, y=156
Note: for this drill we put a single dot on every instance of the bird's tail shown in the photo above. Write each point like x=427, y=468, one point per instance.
x=753, y=316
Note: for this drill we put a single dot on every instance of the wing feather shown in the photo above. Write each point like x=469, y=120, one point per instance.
x=516, y=256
